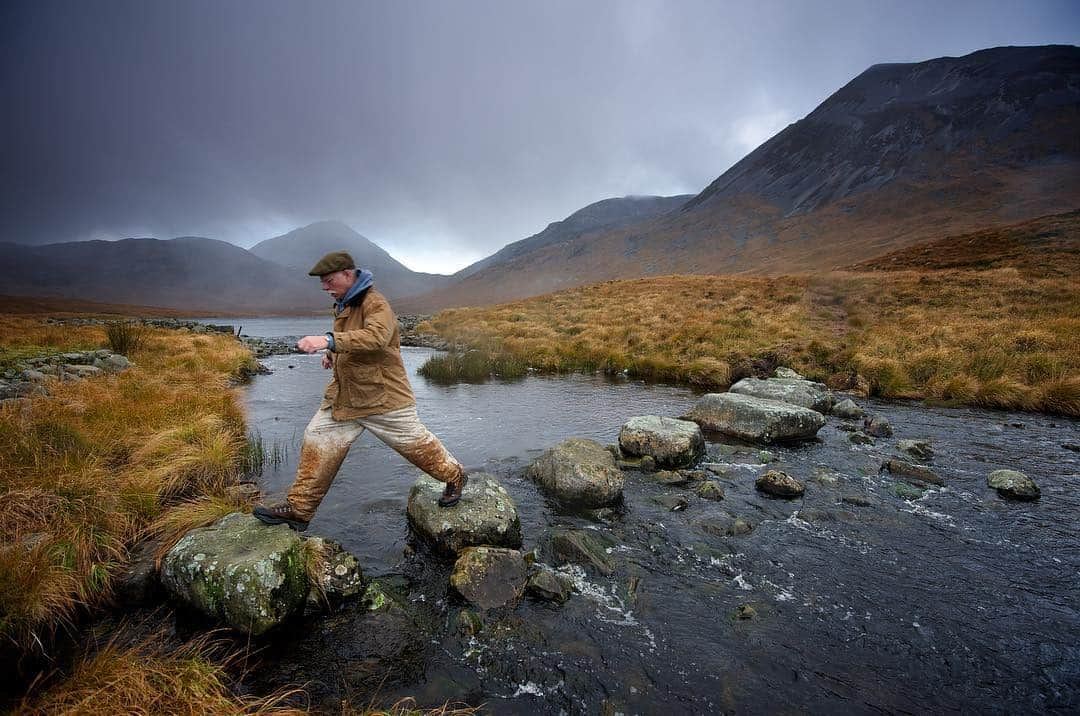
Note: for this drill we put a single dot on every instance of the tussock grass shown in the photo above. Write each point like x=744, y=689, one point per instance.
x=125, y=336
x=474, y=366
x=997, y=337
x=87, y=469
x=149, y=678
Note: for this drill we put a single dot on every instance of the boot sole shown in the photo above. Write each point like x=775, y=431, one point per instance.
x=271, y=520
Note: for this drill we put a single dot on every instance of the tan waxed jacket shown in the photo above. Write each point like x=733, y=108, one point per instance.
x=369, y=377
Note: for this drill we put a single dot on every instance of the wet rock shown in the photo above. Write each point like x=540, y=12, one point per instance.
x=647, y=463
x=755, y=419
x=137, y=582
x=1013, y=485
x=848, y=427
x=908, y=471
x=709, y=490
x=877, y=426
x=694, y=475
x=796, y=391
x=1071, y=446
x=765, y=457
x=469, y=623
x=671, y=478
x=485, y=515
x=339, y=574
x=727, y=526
x=549, y=586
x=825, y=476
x=746, y=611
x=585, y=547
x=489, y=577
x=247, y=491
x=918, y=449
x=781, y=484
x=814, y=515
x=907, y=492
x=246, y=574
x=859, y=499
x=579, y=473
x=848, y=410
x=670, y=442
x=860, y=438
x=721, y=469
x=674, y=503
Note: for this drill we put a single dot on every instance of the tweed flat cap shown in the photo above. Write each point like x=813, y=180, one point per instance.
x=333, y=261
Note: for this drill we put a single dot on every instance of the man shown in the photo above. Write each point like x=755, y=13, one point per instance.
x=369, y=391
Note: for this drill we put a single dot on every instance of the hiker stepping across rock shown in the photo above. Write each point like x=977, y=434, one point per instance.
x=369, y=391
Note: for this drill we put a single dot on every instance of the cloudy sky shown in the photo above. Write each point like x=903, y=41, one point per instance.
x=440, y=130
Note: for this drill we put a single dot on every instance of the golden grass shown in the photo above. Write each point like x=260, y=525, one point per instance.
x=997, y=338
x=149, y=678
x=84, y=471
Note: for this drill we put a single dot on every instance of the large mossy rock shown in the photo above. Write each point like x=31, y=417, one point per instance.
x=248, y=575
x=489, y=577
x=797, y=391
x=579, y=473
x=758, y=420
x=668, y=441
x=485, y=515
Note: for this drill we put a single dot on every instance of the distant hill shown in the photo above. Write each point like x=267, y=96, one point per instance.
x=188, y=273
x=902, y=154
x=1047, y=246
x=301, y=248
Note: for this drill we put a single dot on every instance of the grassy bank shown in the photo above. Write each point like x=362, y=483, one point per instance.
x=1002, y=337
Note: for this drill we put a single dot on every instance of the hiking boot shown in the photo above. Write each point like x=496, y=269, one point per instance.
x=454, y=488
x=281, y=513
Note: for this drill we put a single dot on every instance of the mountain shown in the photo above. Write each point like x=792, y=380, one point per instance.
x=902, y=154
x=606, y=214
x=188, y=273
x=301, y=248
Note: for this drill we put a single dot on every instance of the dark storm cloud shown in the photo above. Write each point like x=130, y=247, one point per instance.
x=440, y=130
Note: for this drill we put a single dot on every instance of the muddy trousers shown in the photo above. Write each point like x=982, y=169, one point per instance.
x=327, y=442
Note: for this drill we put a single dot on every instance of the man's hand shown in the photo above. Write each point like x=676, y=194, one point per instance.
x=311, y=344
x=326, y=362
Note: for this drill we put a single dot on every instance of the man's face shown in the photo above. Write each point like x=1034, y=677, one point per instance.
x=337, y=284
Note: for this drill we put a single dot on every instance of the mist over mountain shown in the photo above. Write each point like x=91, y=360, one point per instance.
x=301, y=248
x=901, y=154
x=189, y=273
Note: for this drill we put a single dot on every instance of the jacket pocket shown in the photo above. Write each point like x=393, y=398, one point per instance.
x=362, y=386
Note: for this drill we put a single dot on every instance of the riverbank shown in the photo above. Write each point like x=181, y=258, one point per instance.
x=87, y=466
x=1000, y=338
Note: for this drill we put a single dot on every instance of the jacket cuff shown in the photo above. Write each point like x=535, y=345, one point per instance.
x=330, y=340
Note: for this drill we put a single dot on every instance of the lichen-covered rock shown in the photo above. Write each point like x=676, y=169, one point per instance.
x=796, y=391
x=918, y=449
x=781, y=484
x=248, y=575
x=339, y=573
x=489, y=577
x=1013, y=485
x=115, y=363
x=877, y=426
x=670, y=442
x=755, y=419
x=848, y=410
x=908, y=471
x=485, y=515
x=579, y=473
x=584, y=547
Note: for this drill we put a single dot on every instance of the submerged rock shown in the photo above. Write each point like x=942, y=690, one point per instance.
x=489, y=577
x=907, y=492
x=796, y=391
x=709, y=490
x=781, y=484
x=848, y=410
x=918, y=449
x=877, y=426
x=549, y=585
x=670, y=442
x=585, y=547
x=755, y=419
x=249, y=575
x=579, y=473
x=1013, y=485
x=674, y=503
x=485, y=515
x=909, y=471
x=860, y=438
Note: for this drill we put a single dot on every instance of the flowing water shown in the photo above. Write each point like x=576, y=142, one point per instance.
x=862, y=601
